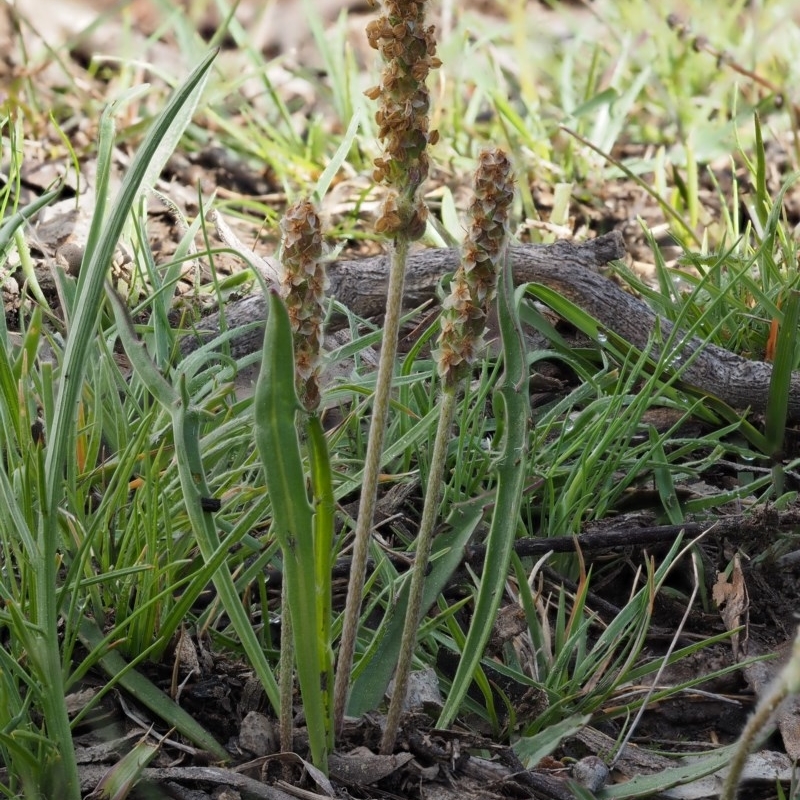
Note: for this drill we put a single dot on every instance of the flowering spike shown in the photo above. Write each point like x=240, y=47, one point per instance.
x=302, y=286
x=473, y=287
x=409, y=49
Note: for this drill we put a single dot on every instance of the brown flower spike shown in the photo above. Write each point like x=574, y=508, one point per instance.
x=409, y=49
x=464, y=311
x=303, y=285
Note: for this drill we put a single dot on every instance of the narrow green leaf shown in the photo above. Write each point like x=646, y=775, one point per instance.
x=149, y=695
x=11, y=225
x=324, y=504
x=762, y=193
x=779, y=386
x=532, y=749
x=120, y=779
x=605, y=98
x=334, y=165
x=186, y=426
x=141, y=362
x=664, y=482
x=686, y=773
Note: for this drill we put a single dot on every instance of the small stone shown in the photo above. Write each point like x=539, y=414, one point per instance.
x=591, y=772
x=257, y=735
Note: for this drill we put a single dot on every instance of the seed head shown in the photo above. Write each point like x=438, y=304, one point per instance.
x=408, y=47
x=303, y=285
x=473, y=287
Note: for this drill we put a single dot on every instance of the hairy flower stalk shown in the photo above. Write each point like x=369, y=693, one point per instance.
x=409, y=51
x=463, y=322
x=302, y=286
x=785, y=684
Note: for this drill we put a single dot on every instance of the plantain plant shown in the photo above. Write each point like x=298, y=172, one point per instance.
x=408, y=47
x=290, y=366
x=463, y=323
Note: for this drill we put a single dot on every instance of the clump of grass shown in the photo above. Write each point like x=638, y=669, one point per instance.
x=35, y=624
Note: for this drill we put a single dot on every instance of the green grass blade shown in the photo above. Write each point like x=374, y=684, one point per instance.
x=649, y=785
x=141, y=362
x=10, y=227
x=186, y=425
x=664, y=481
x=532, y=749
x=149, y=695
x=120, y=779
x=335, y=164
x=762, y=193
x=779, y=386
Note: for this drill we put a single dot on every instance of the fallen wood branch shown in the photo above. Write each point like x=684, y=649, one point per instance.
x=571, y=270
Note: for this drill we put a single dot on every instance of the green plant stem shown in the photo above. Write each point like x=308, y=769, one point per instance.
x=424, y=542
x=369, y=488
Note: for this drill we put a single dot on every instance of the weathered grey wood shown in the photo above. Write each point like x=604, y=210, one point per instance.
x=567, y=268
x=360, y=285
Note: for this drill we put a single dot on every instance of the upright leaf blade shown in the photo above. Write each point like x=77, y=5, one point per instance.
x=276, y=406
